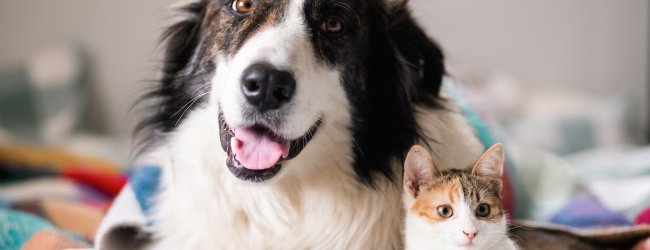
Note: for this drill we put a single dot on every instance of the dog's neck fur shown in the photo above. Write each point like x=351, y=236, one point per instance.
x=318, y=204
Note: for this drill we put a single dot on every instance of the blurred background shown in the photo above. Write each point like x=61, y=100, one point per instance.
x=564, y=82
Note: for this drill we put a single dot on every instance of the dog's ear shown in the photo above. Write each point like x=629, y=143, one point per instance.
x=181, y=39
x=170, y=95
x=424, y=58
x=419, y=170
x=395, y=4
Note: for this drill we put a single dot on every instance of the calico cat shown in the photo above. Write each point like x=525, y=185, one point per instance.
x=454, y=209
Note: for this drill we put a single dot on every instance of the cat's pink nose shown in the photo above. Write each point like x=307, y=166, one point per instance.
x=470, y=235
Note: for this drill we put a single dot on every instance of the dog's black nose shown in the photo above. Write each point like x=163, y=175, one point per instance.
x=266, y=87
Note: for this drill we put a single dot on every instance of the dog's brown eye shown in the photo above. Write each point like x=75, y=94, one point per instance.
x=333, y=25
x=243, y=6
x=445, y=211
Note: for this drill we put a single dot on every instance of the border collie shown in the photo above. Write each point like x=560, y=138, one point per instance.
x=282, y=124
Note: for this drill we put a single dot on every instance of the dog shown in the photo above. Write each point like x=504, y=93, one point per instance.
x=282, y=124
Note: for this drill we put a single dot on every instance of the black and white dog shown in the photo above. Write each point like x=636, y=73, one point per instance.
x=281, y=124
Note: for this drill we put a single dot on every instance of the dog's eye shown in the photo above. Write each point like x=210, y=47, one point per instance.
x=333, y=25
x=243, y=6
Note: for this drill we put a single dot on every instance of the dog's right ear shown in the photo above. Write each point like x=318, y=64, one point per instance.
x=182, y=38
x=396, y=4
x=172, y=94
x=419, y=170
x=424, y=58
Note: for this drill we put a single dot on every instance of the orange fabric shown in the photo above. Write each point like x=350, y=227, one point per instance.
x=74, y=217
x=52, y=157
x=50, y=240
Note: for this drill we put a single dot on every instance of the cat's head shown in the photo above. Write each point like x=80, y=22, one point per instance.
x=454, y=208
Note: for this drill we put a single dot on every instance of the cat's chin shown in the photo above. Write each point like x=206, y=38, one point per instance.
x=467, y=245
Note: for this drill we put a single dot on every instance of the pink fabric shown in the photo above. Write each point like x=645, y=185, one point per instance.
x=644, y=217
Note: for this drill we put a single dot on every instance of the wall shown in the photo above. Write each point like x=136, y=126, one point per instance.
x=592, y=45
x=597, y=45
x=119, y=35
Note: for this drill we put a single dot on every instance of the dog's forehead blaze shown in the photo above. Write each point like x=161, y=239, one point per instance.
x=229, y=31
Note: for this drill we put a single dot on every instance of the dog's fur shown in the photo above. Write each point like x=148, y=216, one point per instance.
x=375, y=88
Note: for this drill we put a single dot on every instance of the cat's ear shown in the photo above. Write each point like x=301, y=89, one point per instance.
x=491, y=163
x=419, y=170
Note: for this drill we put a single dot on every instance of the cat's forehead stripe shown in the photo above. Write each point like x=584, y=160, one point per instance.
x=471, y=186
x=453, y=191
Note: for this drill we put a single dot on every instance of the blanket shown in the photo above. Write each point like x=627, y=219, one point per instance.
x=51, y=199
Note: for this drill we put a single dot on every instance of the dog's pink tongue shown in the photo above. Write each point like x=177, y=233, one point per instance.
x=256, y=150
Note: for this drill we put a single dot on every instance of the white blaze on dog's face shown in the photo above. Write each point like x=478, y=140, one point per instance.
x=273, y=92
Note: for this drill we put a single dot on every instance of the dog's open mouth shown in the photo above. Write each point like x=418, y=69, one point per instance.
x=256, y=153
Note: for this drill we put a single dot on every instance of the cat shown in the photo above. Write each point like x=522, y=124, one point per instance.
x=454, y=209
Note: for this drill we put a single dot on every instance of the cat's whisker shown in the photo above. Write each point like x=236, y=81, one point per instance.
x=518, y=226
x=511, y=235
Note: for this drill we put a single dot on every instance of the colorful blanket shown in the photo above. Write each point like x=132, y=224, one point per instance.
x=50, y=199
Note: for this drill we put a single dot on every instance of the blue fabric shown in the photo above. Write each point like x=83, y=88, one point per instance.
x=17, y=227
x=481, y=130
x=144, y=182
x=586, y=211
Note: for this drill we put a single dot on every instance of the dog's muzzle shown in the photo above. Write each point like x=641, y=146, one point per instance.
x=256, y=150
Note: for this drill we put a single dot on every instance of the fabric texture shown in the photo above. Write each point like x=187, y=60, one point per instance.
x=16, y=228
x=585, y=211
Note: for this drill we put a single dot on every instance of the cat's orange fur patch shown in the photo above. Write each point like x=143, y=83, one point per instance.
x=426, y=204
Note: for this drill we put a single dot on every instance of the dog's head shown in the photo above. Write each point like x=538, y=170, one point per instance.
x=277, y=72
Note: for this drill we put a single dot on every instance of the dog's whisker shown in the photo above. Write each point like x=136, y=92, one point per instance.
x=188, y=105
x=202, y=88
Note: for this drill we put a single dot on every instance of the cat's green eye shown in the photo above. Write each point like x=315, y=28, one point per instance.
x=483, y=210
x=445, y=211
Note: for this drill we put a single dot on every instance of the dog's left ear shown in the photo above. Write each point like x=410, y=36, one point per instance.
x=424, y=57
